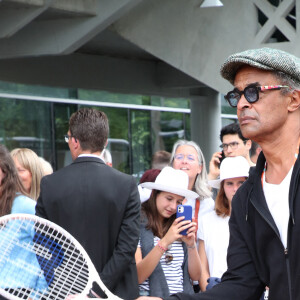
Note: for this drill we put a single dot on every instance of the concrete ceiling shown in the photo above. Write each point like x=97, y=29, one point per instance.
x=43, y=36
x=110, y=43
x=164, y=47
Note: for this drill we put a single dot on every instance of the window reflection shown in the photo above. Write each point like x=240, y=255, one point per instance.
x=26, y=124
x=135, y=134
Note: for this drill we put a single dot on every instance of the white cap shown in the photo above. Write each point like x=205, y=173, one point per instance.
x=172, y=181
x=231, y=167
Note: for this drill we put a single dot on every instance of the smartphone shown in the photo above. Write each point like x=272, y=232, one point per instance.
x=186, y=211
x=222, y=157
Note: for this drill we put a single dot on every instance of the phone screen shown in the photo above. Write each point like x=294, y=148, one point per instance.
x=186, y=211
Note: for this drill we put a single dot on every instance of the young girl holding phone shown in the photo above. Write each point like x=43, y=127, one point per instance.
x=167, y=260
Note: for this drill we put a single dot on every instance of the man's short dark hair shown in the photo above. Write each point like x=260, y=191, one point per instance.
x=160, y=159
x=233, y=128
x=90, y=127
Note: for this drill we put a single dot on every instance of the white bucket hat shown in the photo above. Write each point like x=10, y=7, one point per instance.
x=172, y=181
x=231, y=167
x=144, y=193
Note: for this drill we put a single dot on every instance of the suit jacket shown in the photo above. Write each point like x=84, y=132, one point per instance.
x=100, y=207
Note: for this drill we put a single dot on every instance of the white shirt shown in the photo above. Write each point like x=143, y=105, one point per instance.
x=277, y=197
x=206, y=205
x=214, y=231
x=90, y=155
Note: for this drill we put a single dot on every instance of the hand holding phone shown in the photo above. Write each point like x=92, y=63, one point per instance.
x=186, y=211
x=221, y=158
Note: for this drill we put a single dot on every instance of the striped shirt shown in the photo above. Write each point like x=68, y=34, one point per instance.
x=172, y=270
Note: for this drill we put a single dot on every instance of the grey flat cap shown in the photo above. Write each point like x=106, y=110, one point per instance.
x=264, y=58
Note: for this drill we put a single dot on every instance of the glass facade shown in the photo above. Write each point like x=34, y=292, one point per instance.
x=26, y=124
x=37, y=117
x=228, y=113
x=137, y=128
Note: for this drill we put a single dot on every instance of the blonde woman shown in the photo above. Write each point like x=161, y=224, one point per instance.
x=29, y=169
x=188, y=157
x=46, y=166
x=13, y=197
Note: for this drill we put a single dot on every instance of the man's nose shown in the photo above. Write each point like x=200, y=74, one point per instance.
x=229, y=150
x=243, y=103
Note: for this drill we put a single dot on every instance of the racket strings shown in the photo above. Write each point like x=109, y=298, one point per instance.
x=51, y=267
x=73, y=270
x=18, y=260
x=14, y=259
x=77, y=270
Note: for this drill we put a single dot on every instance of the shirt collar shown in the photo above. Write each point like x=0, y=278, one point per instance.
x=90, y=155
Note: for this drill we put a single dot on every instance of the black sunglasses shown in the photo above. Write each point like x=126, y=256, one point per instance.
x=251, y=93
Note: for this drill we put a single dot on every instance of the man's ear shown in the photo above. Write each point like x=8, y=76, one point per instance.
x=295, y=101
x=75, y=143
x=248, y=144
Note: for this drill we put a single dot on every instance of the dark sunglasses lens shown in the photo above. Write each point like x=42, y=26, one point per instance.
x=233, y=98
x=251, y=94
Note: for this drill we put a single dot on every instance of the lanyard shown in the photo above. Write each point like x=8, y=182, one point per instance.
x=197, y=206
x=265, y=168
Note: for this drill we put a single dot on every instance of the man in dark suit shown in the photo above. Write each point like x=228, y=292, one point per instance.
x=97, y=204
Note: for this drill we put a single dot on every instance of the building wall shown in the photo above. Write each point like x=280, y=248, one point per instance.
x=178, y=48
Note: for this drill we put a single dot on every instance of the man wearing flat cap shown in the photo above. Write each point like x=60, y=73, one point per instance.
x=264, y=247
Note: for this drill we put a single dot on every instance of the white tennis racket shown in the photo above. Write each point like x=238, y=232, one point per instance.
x=41, y=260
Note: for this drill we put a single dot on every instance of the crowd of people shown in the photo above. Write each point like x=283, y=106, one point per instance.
x=242, y=239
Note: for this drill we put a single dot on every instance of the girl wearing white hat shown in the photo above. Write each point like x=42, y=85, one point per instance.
x=213, y=232
x=165, y=259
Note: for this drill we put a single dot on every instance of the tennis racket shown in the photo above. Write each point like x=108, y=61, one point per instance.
x=41, y=260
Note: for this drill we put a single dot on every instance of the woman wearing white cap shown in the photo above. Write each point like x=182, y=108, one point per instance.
x=165, y=259
x=213, y=230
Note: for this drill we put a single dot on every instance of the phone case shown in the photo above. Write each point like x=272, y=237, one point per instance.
x=186, y=211
x=221, y=159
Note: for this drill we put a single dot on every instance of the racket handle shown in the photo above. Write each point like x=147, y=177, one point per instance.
x=101, y=291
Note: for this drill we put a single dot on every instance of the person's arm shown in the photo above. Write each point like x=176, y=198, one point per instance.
x=205, y=269
x=125, y=248
x=194, y=264
x=214, y=166
x=145, y=266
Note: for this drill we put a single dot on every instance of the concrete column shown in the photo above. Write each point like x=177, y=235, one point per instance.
x=206, y=123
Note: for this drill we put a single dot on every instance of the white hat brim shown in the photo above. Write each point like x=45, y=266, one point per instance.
x=144, y=193
x=178, y=191
x=215, y=183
